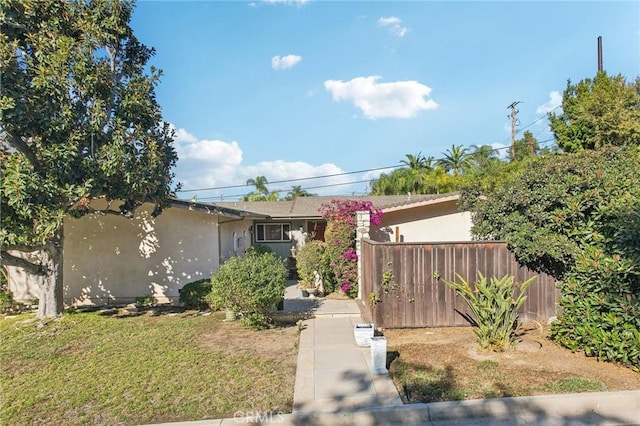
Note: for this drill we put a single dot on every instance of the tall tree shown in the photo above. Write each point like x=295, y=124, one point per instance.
x=575, y=215
x=79, y=120
x=260, y=182
x=415, y=162
x=456, y=159
x=598, y=112
x=483, y=155
x=526, y=146
x=297, y=191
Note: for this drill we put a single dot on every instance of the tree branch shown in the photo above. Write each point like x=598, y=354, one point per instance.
x=105, y=212
x=16, y=142
x=22, y=247
x=19, y=262
x=115, y=77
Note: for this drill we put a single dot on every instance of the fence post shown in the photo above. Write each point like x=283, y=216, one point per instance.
x=363, y=223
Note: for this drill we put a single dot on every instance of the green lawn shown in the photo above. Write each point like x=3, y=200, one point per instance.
x=91, y=368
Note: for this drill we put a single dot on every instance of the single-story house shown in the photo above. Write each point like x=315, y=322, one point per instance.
x=110, y=259
x=406, y=218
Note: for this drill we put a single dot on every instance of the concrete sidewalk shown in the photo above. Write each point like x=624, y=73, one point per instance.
x=598, y=408
x=333, y=374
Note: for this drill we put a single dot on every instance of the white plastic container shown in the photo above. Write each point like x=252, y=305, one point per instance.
x=363, y=332
x=379, y=355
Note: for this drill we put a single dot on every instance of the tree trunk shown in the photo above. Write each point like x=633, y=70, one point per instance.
x=50, y=283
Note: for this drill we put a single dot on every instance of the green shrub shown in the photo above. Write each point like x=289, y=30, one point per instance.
x=577, y=217
x=494, y=307
x=340, y=270
x=309, y=259
x=146, y=300
x=251, y=286
x=259, y=249
x=6, y=302
x=193, y=295
x=601, y=309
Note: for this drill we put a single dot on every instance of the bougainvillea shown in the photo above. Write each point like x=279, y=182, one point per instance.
x=345, y=211
x=341, y=256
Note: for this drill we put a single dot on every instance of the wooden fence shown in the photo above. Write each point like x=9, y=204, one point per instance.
x=417, y=298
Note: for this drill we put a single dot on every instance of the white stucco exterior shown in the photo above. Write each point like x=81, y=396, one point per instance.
x=427, y=222
x=110, y=259
x=235, y=238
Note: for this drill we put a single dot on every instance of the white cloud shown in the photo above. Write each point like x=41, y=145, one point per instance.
x=181, y=135
x=399, y=99
x=391, y=20
x=284, y=62
x=288, y=2
x=555, y=100
x=279, y=170
x=392, y=23
x=215, y=163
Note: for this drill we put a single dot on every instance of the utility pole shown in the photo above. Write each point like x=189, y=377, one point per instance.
x=600, y=67
x=514, y=123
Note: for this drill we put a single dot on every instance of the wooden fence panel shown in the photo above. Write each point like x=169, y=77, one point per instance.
x=420, y=298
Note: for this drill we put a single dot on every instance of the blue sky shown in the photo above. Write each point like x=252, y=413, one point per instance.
x=296, y=89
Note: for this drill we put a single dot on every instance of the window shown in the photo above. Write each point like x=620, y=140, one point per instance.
x=273, y=232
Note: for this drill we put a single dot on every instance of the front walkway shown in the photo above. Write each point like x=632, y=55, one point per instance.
x=333, y=373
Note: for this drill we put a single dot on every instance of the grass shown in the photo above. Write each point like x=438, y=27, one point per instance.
x=89, y=368
x=484, y=379
x=576, y=384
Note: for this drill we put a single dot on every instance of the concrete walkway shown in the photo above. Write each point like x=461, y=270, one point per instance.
x=333, y=374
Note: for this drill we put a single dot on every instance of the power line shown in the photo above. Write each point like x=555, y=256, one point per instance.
x=293, y=180
x=284, y=190
x=222, y=197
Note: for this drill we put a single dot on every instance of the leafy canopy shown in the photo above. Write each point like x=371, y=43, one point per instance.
x=597, y=112
x=79, y=117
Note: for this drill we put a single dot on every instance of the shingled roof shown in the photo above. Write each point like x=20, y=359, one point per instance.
x=308, y=207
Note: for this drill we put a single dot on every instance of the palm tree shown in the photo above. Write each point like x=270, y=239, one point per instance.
x=297, y=191
x=260, y=182
x=483, y=155
x=429, y=163
x=414, y=162
x=455, y=159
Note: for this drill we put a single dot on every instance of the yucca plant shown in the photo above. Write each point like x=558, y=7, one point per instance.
x=494, y=309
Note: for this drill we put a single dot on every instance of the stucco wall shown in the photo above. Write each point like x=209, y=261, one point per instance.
x=110, y=259
x=235, y=238
x=441, y=222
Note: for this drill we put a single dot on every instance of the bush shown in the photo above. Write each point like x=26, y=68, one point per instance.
x=341, y=271
x=146, y=301
x=193, y=295
x=251, y=286
x=576, y=216
x=309, y=259
x=494, y=308
x=259, y=249
x=601, y=309
x=6, y=302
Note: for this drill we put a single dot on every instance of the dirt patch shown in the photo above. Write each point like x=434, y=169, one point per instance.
x=439, y=364
x=337, y=295
x=278, y=344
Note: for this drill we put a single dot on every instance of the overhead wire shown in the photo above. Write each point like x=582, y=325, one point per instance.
x=399, y=165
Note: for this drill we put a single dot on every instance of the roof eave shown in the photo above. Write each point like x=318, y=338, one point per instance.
x=422, y=203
